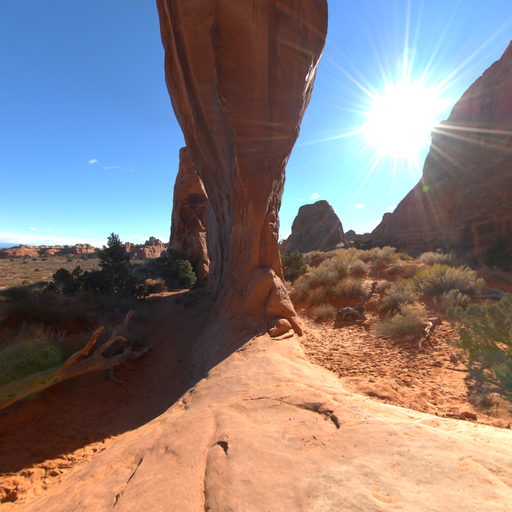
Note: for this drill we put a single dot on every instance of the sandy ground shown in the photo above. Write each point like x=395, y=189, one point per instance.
x=44, y=438
x=433, y=378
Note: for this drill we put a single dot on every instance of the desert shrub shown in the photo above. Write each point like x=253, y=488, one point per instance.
x=438, y=279
x=315, y=258
x=300, y=289
x=323, y=312
x=327, y=274
x=451, y=299
x=155, y=285
x=433, y=258
x=485, y=332
x=318, y=296
x=359, y=268
x=186, y=274
x=27, y=357
x=398, y=295
x=499, y=254
x=293, y=265
x=409, y=323
x=350, y=288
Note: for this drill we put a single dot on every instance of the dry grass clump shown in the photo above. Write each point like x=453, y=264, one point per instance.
x=439, y=279
x=409, y=323
x=323, y=312
x=433, y=258
x=359, y=268
x=453, y=298
x=350, y=288
x=155, y=285
x=316, y=258
x=398, y=295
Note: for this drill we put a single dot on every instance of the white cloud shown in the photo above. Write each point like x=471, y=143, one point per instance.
x=111, y=167
x=314, y=196
x=359, y=205
x=94, y=161
x=46, y=239
x=33, y=229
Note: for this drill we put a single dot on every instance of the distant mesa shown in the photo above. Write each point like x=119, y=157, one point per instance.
x=152, y=248
x=464, y=198
x=316, y=228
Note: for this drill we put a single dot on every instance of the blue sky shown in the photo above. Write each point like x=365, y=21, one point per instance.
x=89, y=143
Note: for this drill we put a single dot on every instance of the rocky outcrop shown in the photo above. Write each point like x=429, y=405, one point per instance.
x=240, y=75
x=316, y=228
x=151, y=248
x=190, y=207
x=30, y=251
x=464, y=198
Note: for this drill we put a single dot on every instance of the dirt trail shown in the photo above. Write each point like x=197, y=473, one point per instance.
x=433, y=379
x=42, y=439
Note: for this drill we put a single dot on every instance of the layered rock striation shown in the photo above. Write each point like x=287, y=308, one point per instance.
x=189, y=217
x=151, y=248
x=464, y=198
x=316, y=228
x=240, y=75
x=36, y=251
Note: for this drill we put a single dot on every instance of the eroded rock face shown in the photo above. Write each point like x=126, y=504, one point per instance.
x=190, y=207
x=240, y=75
x=316, y=228
x=151, y=248
x=31, y=251
x=464, y=199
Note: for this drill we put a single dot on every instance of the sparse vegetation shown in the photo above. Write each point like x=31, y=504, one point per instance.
x=398, y=295
x=439, y=279
x=485, y=332
x=451, y=299
x=323, y=312
x=350, y=288
x=433, y=258
x=359, y=268
x=409, y=323
x=293, y=265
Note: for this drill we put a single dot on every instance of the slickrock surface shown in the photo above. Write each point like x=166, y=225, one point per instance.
x=266, y=430
x=316, y=228
x=190, y=207
x=464, y=199
x=240, y=75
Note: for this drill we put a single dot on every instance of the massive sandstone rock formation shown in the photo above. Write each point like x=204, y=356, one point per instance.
x=31, y=251
x=151, y=248
x=190, y=207
x=464, y=199
x=316, y=228
x=240, y=75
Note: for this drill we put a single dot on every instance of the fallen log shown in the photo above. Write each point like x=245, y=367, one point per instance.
x=80, y=363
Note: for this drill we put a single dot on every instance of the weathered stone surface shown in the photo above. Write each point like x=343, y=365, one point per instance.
x=316, y=228
x=268, y=431
x=240, y=75
x=464, y=199
x=189, y=211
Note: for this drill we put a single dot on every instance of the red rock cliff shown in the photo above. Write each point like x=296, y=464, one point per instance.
x=464, y=199
x=190, y=207
x=240, y=75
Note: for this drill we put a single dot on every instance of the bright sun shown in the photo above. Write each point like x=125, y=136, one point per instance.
x=400, y=121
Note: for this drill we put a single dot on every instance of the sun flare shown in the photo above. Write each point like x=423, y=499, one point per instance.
x=401, y=119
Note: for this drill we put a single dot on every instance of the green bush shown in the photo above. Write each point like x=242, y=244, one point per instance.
x=28, y=357
x=485, y=332
x=398, y=295
x=293, y=265
x=410, y=323
x=186, y=274
x=438, y=279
